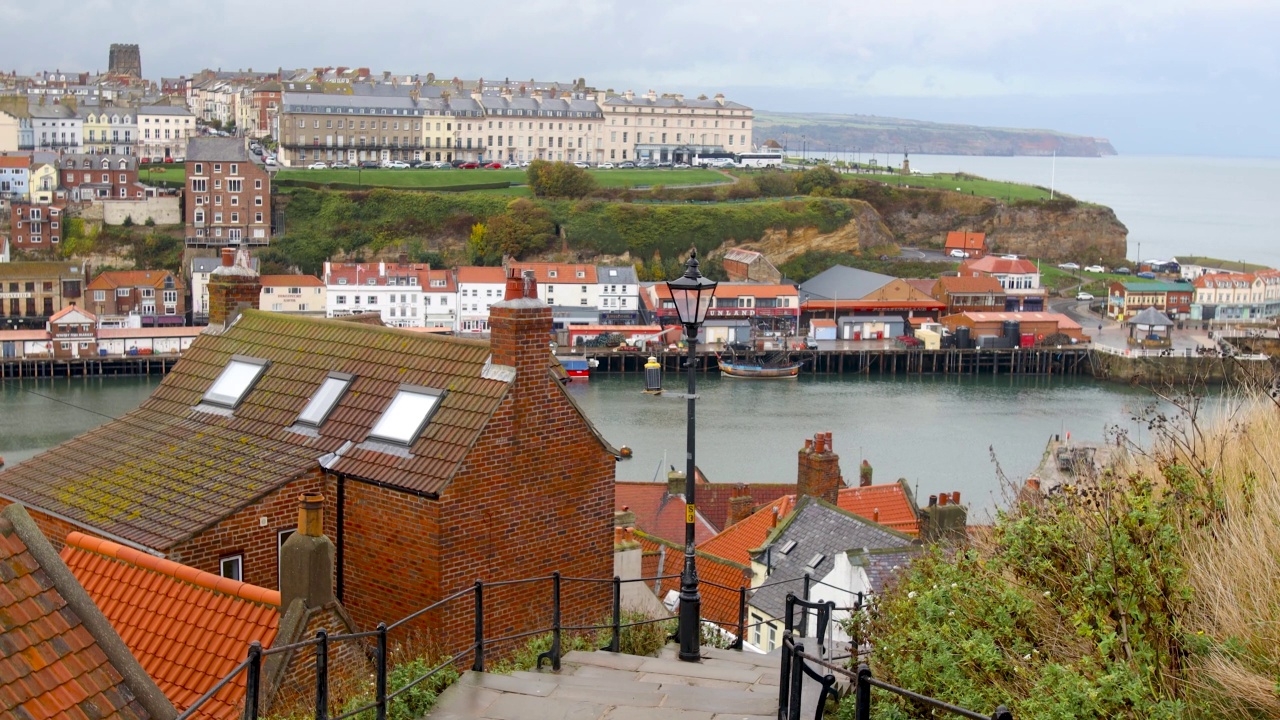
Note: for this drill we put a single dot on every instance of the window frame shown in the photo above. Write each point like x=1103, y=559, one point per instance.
x=346, y=379
x=238, y=559
x=232, y=404
x=438, y=393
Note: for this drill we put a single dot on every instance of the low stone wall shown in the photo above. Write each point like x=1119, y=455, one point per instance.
x=1178, y=370
x=163, y=210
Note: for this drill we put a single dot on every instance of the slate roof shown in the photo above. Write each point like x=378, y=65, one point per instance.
x=818, y=528
x=718, y=579
x=167, y=471
x=889, y=504
x=167, y=110
x=1150, y=316
x=843, y=283
x=187, y=628
x=213, y=149
x=56, y=658
x=882, y=564
x=620, y=274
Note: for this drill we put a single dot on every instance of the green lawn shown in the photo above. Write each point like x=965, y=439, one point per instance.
x=967, y=184
x=414, y=178
x=175, y=172
x=632, y=178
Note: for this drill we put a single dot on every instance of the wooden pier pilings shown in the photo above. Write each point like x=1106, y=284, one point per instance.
x=131, y=365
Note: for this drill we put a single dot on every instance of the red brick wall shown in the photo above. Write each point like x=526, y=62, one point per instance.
x=227, y=292
x=819, y=470
x=54, y=529
x=244, y=533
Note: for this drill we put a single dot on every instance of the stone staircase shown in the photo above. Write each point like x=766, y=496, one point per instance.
x=726, y=685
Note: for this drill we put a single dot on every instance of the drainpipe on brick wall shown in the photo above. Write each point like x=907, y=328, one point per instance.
x=341, y=533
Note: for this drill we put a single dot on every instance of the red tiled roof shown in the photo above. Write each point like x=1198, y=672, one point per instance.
x=15, y=161
x=492, y=275
x=290, y=281
x=359, y=274
x=733, y=290
x=1000, y=266
x=888, y=504
x=187, y=628
x=822, y=322
x=1062, y=320
x=924, y=285
x=436, y=276
x=167, y=471
x=132, y=278
x=658, y=513
x=715, y=575
x=53, y=319
x=565, y=272
x=713, y=499
x=855, y=305
x=735, y=541
x=962, y=240
x=52, y=665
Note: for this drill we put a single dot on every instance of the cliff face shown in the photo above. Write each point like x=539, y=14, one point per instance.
x=1055, y=232
x=865, y=230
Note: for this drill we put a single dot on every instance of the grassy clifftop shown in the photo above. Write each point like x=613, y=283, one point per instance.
x=1151, y=593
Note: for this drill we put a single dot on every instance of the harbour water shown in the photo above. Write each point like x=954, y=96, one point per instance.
x=942, y=434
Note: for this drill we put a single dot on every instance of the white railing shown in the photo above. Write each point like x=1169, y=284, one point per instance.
x=1172, y=352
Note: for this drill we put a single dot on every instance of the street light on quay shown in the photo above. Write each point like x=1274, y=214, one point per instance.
x=692, y=294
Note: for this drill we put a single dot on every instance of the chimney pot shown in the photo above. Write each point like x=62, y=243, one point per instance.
x=228, y=257
x=808, y=444
x=955, y=497
x=933, y=500
x=875, y=515
x=311, y=514
x=942, y=499
x=819, y=443
x=1033, y=483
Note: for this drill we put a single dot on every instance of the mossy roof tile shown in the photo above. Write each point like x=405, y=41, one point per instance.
x=166, y=471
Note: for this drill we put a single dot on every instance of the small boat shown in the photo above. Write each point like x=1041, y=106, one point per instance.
x=577, y=367
x=759, y=371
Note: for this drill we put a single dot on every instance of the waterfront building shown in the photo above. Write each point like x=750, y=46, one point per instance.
x=71, y=333
x=292, y=294
x=737, y=309
x=478, y=289
x=163, y=132
x=671, y=128
x=1019, y=278
x=619, y=295
x=156, y=297
x=960, y=294
x=1236, y=296
x=430, y=453
x=31, y=292
x=841, y=291
x=408, y=295
x=227, y=194
x=564, y=284
x=1039, y=325
x=1126, y=299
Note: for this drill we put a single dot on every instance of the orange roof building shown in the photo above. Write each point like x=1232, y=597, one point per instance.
x=61, y=658
x=187, y=628
x=890, y=504
x=973, y=243
x=719, y=579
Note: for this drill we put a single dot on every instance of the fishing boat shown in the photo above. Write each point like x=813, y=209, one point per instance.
x=577, y=367
x=758, y=370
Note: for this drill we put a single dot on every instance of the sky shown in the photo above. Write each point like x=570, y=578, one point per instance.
x=1173, y=77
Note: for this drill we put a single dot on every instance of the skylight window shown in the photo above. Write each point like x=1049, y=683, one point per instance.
x=237, y=377
x=325, y=399
x=788, y=547
x=815, y=561
x=407, y=414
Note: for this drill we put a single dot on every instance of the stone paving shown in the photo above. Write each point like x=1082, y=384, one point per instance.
x=726, y=685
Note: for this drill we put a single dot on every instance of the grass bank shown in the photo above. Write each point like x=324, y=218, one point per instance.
x=428, y=179
x=965, y=183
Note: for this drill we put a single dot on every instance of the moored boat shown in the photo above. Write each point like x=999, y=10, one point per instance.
x=577, y=367
x=758, y=371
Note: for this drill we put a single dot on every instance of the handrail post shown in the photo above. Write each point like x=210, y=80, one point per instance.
x=478, y=665
x=784, y=682
x=797, y=683
x=1002, y=713
x=616, y=643
x=804, y=611
x=787, y=616
x=553, y=653
x=253, y=681
x=862, y=701
x=742, y=619
x=322, y=675
x=381, y=689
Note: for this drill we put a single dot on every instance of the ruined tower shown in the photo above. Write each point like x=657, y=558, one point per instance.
x=124, y=60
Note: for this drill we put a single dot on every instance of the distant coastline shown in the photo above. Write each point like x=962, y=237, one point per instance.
x=824, y=132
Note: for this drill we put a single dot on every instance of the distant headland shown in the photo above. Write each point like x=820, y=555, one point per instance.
x=825, y=132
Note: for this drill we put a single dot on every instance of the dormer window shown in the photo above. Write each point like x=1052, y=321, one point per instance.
x=551, y=273
x=371, y=281
x=407, y=414
x=325, y=399
x=236, y=379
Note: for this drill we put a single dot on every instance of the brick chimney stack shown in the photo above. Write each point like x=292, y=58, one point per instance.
x=740, y=504
x=819, y=470
x=520, y=338
x=233, y=286
x=306, y=558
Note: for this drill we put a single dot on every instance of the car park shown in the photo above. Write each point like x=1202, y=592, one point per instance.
x=1068, y=266
x=317, y=166
x=1095, y=269
x=1084, y=296
x=958, y=253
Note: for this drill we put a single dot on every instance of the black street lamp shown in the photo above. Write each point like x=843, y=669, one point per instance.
x=692, y=294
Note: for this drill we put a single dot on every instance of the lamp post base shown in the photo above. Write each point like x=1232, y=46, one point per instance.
x=689, y=630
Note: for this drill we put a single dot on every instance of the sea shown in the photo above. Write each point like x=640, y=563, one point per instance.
x=978, y=435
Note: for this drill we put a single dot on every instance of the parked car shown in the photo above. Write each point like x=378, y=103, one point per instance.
x=685, y=166
x=1146, y=275
x=606, y=166
x=581, y=164
x=1095, y=269
x=317, y=166
x=665, y=164
x=810, y=344
x=396, y=165
x=369, y=164
x=1084, y=296
x=646, y=164
x=958, y=253
x=269, y=161
x=1068, y=266
x=1009, y=257
x=442, y=164
x=339, y=166
x=469, y=165
x=493, y=166
x=1122, y=271
x=626, y=165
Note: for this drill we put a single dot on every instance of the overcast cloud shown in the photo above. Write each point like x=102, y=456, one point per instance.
x=1154, y=76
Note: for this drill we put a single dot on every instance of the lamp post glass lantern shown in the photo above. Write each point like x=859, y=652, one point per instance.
x=692, y=294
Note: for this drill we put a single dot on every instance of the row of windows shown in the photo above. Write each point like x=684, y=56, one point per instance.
x=373, y=300
x=202, y=200
x=217, y=217
x=234, y=185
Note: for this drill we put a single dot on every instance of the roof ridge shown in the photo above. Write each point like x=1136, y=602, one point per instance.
x=165, y=566
x=697, y=553
x=333, y=322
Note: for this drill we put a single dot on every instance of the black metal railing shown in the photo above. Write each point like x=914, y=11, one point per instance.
x=797, y=664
